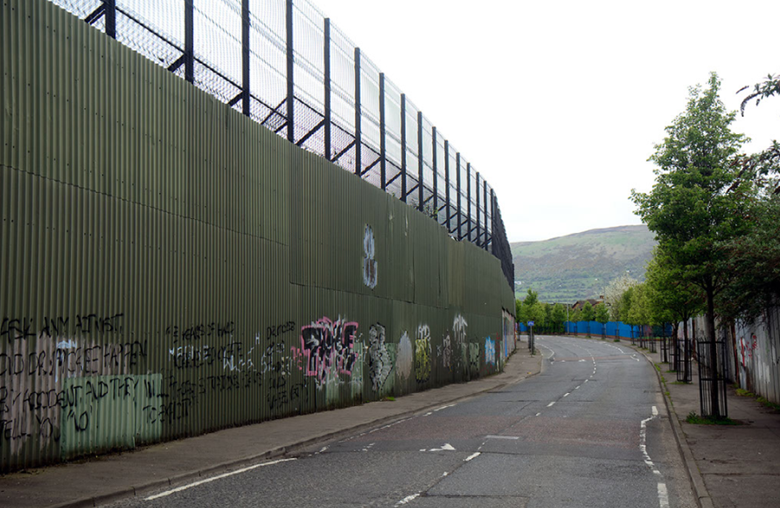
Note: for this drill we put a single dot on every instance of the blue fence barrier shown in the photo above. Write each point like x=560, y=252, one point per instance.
x=613, y=328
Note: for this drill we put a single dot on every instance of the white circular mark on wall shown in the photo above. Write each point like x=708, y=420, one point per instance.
x=369, y=263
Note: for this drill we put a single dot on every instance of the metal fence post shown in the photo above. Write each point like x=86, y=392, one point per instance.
x=468, y=201
x=382, y=134
x=358, y=115
x=435, y=178
x=479, y=232
x=326, y=65
x=110, y=6
x=457, y=190
x=245, y=56
x=403, y=147
x=189, y=41
x=420, y=164
x=492, y=219
x=290, y=71
x=447, y=184
x=484, y=215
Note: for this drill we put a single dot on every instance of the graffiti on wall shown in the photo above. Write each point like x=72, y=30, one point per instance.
x=327, y=348
x=380, y=362
x=474, y=356
x=444, y=351
x=490, y=351
x=369, y=263
x=422, y=354
x=746, y=348
x=405, y=357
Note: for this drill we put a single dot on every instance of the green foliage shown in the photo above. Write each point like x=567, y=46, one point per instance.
x=669, y=297
x=613, y=294
x=766, y=88
x=602, y=313
x=697, y=203
x=695, y=419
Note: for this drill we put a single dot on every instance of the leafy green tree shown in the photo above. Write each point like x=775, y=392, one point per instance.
x=638, y=315
x=695, y=207
x=558, y=316
x=669, y=297
x=588, y=314
x=602, y=316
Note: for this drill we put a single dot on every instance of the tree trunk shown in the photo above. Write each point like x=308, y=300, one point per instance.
x=710, y=330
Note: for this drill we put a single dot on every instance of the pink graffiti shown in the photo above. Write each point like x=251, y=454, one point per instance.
x=747, y=348
x=327, y=347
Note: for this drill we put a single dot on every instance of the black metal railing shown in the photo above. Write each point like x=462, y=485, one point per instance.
x=712, y=378
x=286, y=66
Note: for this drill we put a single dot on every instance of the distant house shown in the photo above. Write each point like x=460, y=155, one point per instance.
x=581, y=303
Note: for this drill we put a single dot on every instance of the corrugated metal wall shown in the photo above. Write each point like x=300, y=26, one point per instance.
x=171, y=268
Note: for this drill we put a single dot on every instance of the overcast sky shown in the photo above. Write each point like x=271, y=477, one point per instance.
x=559, y=103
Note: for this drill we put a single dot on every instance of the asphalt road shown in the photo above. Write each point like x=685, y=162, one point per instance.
x=590, y=430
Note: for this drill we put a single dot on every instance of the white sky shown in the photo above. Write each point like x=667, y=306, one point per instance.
x=559, y=103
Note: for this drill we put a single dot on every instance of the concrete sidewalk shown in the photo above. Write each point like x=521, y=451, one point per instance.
x=104, y=479
x=729, y=465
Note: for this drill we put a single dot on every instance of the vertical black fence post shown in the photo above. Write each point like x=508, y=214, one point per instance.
x=403, y=147
x=290, y=77
x=468, y=201
x=447, y=185
x=245, y=56
x=110, y=6
x=420, y=187
x=189, y=41
x=457, y=190
x=435, y=178
x=479, y=232
x=492, y=220
x=485, y=215
x=326, y=65
x=358, y=117
x=382, y=134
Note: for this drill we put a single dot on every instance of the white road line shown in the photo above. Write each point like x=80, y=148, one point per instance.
x=407, y=499
x=566, y=394
x=213, y=478
x=663, y=495
x=550, y=404
x=472, y=456
x=502, y=437
x=538, y=414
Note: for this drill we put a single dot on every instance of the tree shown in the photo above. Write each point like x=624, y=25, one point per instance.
x=669, y=297
x=588, y=315
x=766, y=88
x=558, y=315
x=613, y=293
x=602, y=316
x=637, y=314
x=694, y=206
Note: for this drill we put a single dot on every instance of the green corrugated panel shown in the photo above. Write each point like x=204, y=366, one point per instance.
x=187, y=248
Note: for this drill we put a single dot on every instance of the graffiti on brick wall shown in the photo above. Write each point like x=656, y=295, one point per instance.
x=422, y=354
x=327, y=348
x=369, y=263
x=405, y=357
x=490, y=351
x=380, y=362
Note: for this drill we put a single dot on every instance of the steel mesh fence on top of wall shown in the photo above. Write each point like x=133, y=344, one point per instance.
x=286, y=66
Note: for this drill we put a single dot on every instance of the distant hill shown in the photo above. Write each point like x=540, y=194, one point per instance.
x=579, y=266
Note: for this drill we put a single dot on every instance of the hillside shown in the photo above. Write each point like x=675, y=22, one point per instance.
x=578, y=266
